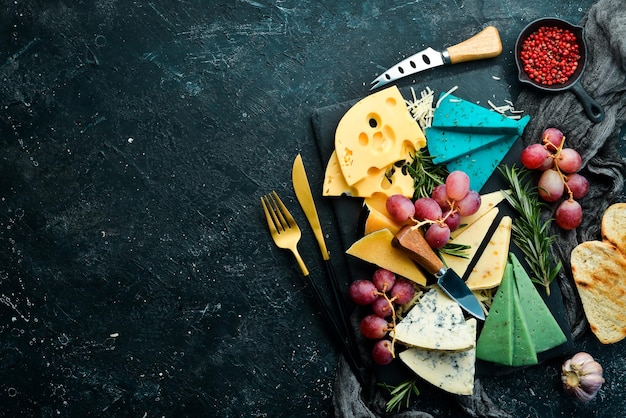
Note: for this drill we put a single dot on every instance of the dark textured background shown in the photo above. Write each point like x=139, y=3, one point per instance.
x=137, y=276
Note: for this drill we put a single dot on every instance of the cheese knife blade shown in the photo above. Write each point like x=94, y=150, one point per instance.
x=415, y=246
x=485, y=44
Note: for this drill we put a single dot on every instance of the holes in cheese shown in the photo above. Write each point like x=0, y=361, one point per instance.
x=377, y=132
x=377, y=181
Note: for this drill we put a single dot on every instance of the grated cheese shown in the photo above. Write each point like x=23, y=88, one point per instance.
x=508, y=107
x=422, y=109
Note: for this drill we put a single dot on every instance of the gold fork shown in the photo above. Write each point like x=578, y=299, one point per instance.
x=286, y=235
x=283, y=227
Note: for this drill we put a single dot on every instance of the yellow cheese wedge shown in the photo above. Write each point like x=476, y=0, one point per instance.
x=489, y=269
x=377, y=201
x=376, y=248
x=376, y=221
x=378, y=217
x=377, y=181
x=488, y=201
x=375, y=133
x=451, y=371
x=473, y=236
x=334, y=183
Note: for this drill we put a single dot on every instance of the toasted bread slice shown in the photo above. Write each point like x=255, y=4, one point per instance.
x=614, y=225
x=599, y=271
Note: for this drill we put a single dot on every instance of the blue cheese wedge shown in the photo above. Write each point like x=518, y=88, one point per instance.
x=450, y=371
x=432, y=322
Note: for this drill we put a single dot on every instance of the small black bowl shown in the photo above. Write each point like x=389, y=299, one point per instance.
x=593, y=110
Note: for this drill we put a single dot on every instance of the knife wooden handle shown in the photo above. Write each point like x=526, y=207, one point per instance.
x=414, y=244
x=485, y=44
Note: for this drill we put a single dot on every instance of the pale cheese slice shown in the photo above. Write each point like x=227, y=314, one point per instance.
x=451, y=371
x=488, y=201
x=473, y=236
x=435, y=322
x=376, y=248
x=377, y=181
x=375, y=133
x=489, y=269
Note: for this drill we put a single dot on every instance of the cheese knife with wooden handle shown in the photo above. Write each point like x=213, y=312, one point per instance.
x=414, y=244
x=485, y=44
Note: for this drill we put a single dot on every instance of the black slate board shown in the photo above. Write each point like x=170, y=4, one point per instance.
x=349, y=210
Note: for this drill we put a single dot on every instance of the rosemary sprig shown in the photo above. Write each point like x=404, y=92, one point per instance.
x=530, y=233
x=426, y=174
x=456, y=250
x=401, y=394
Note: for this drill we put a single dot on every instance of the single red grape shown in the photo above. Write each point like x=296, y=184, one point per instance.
x=427, y=208
x=550, y=186
x=553, y=138
x=382, y=307
x=457, y=184
x=578, y=184
x=402, y=292
x=569, y=160
x=382, y=352
x=534, y=156
x=470, y=204
x=437, y=235
x=383, y=279
x=363, y=292
x=400, y=208
x=569, y=214
x=374, y=327
x=452, y=219
x=440, y=194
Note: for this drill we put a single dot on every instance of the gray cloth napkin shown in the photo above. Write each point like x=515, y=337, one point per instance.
x=605, y=80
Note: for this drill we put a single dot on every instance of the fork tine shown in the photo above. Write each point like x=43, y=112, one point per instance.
x=268, y=216
x=285, y=215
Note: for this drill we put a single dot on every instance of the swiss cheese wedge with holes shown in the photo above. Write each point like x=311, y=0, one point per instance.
x=375, y=133
x=599, y=270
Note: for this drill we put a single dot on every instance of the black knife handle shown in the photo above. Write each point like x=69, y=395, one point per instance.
x=341, y=305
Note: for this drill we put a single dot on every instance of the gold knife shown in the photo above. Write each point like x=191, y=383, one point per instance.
x=305, y=197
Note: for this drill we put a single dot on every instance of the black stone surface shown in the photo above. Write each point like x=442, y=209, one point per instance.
x=137, y=276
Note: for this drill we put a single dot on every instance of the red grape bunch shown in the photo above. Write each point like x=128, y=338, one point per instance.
x=559, y=166
x=383, y=293
x=441, y=213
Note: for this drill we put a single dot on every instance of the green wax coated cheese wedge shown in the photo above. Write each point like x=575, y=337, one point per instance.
x=543, y=328
x=480, y=164
x=446, y=145
x=495, y=343
x=454, y=113
x=524, y=353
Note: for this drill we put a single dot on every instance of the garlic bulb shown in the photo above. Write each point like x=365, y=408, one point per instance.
x=582, y=376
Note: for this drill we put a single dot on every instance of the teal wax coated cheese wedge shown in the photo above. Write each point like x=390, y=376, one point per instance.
x=445, y=145
x=495, y=343
x=543, y=328
x=480, y=164
x=456, y=114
